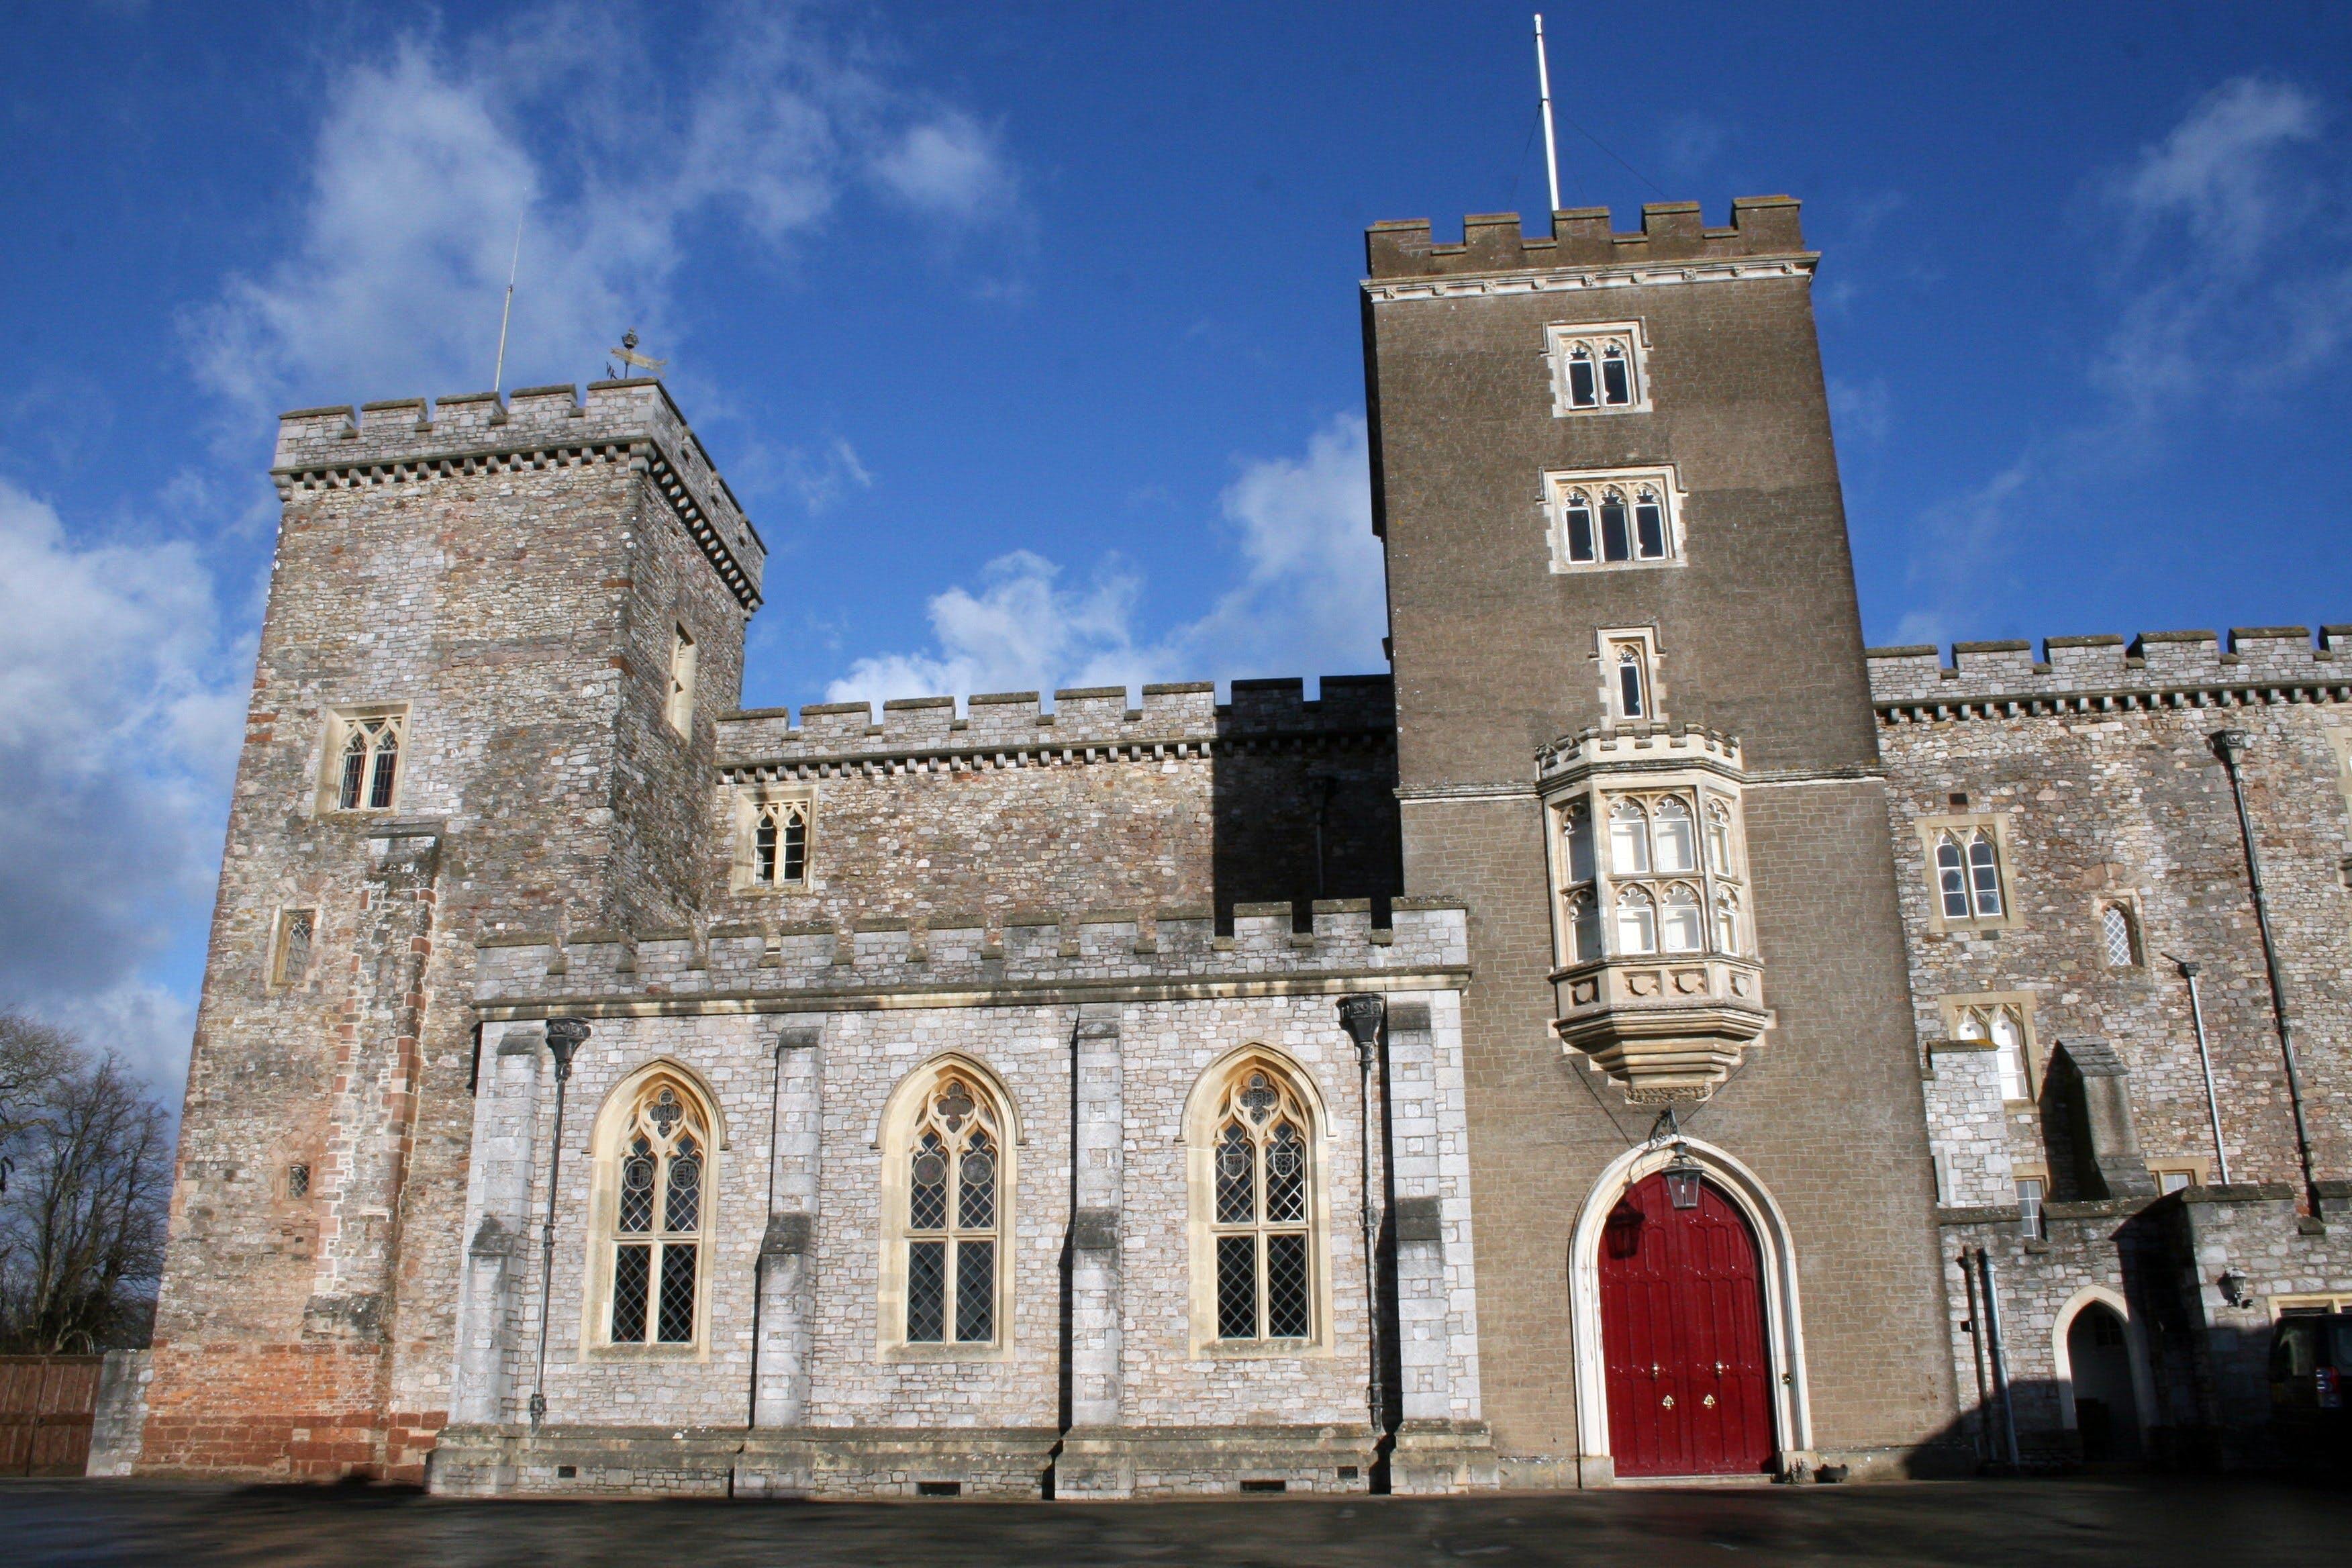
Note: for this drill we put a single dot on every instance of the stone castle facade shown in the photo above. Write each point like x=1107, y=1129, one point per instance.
x=1629, y=1040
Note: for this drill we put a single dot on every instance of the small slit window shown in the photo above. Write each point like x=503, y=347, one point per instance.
x=680, y=706
x=2118, y=941
x=291, y=959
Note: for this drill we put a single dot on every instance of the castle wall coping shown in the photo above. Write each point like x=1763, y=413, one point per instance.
x=1583, y=237
x=1181, y=715
x=883, y=963
x=2172, y=668
x=416, y=438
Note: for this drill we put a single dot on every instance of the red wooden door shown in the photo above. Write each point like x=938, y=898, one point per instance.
x=1682, y=1333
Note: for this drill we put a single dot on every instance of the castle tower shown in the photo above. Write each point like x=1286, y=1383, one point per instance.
x=498, y=638
x=1634, y=731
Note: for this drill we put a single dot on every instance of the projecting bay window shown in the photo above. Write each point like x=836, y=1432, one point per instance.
x=1669, y=878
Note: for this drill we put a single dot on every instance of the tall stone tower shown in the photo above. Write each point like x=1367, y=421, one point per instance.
x=1635, y=734
x=498, y=638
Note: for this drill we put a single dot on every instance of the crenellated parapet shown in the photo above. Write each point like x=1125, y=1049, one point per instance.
x=1086, y=724
x=409, y=440
x=1674, y=244
x=950, y=960
x=2100, y=673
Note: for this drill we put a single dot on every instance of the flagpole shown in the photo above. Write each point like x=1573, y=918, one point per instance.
x=1543, y=82
x=499, y=375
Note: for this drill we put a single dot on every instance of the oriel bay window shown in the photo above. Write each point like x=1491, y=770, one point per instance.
x=1669, y=881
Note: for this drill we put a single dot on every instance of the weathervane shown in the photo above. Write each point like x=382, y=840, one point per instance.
x=628, y=354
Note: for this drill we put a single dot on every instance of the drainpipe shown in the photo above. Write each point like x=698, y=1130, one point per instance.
x=2231, y=744
x=1362, y=1017
x=1975, y=1356
x=1999, y=1360
x=2205, y=1061
x=565, y=1036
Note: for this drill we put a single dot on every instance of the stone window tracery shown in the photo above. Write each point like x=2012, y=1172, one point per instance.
x=1968, y=875
x=1598, y=368
x=366, y=762
x=1605, y=520
x=951, y=1159
x=2002, y=1026
x=1672, y=883
x=780, y=842
x=656, y=1223
x=1261, y=1209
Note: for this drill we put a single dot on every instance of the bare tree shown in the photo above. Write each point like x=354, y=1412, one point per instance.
x=81, y=1217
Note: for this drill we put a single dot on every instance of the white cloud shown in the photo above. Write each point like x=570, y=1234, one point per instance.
x=953, y=165
x=426, y=157
x=2230, y=274
x=117, y=728
x=1308, y=600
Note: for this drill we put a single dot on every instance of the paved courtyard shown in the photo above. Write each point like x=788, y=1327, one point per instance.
x=2143, y=1523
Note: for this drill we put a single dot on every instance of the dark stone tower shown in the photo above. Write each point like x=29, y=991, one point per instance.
x=521, y=621
x=1619, y=582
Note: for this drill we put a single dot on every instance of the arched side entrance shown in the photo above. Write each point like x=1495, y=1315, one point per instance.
x=2104, y=1392
x=1740, y=1211
x=1682, y=1332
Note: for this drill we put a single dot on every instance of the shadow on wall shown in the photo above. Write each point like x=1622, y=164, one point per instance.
x=1304, y=797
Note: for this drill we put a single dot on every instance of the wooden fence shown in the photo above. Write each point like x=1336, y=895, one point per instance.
x=46, y=1404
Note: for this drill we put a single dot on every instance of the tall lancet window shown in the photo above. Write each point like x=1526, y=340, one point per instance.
x=954, y=1172
x=657, y=1155
x=1263, y=1216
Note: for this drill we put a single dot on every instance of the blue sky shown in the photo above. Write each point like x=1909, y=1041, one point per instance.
x=1028, y=332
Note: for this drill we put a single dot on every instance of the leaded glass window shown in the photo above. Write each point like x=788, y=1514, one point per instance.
x=1261, y=1209
x=2115, y=937
x=295, y=929
x=660, y=1218
x=954, y=1216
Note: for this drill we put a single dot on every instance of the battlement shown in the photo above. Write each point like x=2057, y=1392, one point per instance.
x=1593, y=750
x=634, y=421
x=1583, y=237
x=2153, y=662
x=1186, y=712
x=952, y=957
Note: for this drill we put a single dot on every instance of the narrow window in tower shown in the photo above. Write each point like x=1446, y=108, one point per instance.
x=1616, y=376
x=1649, y=525
x=1629, y=840
x=1676, y=848
x=1984, y=875
x=1718, y=839
x=1951, y=879
x=387, y=767
x=1633, y=683
x=293, y=958
x=1582, y=392
x=1615, y=544
x=681, y=683
x=1580, y=526
x=1726, y=923
x=2115, y=937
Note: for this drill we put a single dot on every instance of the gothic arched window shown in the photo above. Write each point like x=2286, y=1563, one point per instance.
x=656, y=1157
x=1677, y=844
x=1637, y=922
x=1680, y=929
x=2117, y=938
x=949, y=1190
x=1262, y=1207
x=1967, y=874
x=1629, y=840
x=1577, y=509
x=368, y=776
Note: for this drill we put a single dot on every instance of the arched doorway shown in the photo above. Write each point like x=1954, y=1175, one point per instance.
x=1682, y=1329
x=2099, y=1363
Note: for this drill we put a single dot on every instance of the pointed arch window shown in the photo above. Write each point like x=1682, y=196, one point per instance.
x=1677, y=844
x=2005, y=1027
x=1970, y=884
x=1637, y=921
x=366, y=772
x=1727, y=923
x=657, y=1221
x=953, y=1223
x=1597, y=369
x=1680, y=926
x=780, y=842
x=2118, y=940
x=1629, y=840
x=1613, y=519
x=1263, y=1209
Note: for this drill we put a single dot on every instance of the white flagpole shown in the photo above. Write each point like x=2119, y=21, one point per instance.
x=1543, y=81
x=499, y=375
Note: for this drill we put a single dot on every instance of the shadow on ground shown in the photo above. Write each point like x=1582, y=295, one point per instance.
x=2149, y=1522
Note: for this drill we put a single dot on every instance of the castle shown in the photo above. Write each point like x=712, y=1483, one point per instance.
x=1649, y=1035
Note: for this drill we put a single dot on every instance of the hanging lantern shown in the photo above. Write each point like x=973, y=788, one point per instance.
x=1683, y=1177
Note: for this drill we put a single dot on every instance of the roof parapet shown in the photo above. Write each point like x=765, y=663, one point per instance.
x=1086, y=716
x=1582, y=236
x=2252, y=655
